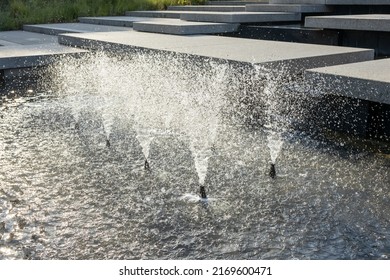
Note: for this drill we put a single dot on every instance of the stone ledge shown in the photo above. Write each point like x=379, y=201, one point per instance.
x=292, y=8
x=366, y=22
x=179, y=27
x=240, y=17
x=20, y=56
x=58, y=28
x=293, y=57
x=369, y=80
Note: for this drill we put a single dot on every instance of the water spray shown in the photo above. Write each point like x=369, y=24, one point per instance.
x=146, y=165
x=202, y=191
x=272, y=171
x=108, y=144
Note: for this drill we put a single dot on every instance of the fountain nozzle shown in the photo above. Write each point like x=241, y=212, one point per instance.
x=272, y=171
x=108, y=144
x=202, y=191
x=147, y=166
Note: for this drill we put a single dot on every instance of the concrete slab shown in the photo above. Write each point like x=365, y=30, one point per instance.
x=292, y=8
x=230, y=2
x=368, y=80
x=25, y=38
x=22, y=56
x=289, y=33
x=58, y=28
x=210, y=8
x=367, y=22
x=294, y=56
x=126, y=21
x=180, y=27
x=6, y=43
x=297, y=1
x=240, y=17
x=357, y=2
x=158, y=14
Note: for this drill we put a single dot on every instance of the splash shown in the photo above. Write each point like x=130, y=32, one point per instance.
x=275, y=144
x=159, y=93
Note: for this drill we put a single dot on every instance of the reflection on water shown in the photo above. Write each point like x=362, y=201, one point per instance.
x=65, y=195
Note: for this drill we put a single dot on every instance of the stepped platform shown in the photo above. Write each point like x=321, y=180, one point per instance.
x=241, y=17
x=297, y=2
x=293, y=56
x=180, y=27
x=369, y=80
x=365, y=22
x=124, y=21
x=236, y=2
x=157, y=14
x=24, y=56
x=58, y=28
x=292, y=8
x=289, y=33
x=357, y=2
x=10, y=38
x=209, y=8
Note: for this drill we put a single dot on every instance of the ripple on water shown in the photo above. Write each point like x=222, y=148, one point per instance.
x=64, y=195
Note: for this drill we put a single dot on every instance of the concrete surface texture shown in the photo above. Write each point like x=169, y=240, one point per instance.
x=126, y=21
x=357, y=2
x=25, y=38
x=240, y=17
x=297, y=1
x=181, y=27
x=22, y=56
x=210, y=8
x=298, y=56
x=58, y=28
x=293, y=8
x=368, y=80
x=365, y=22
x=159, y=14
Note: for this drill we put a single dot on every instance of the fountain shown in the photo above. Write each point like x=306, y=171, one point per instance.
x=204, y=133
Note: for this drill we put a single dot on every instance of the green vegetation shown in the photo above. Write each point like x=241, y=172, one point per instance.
x=15, y=13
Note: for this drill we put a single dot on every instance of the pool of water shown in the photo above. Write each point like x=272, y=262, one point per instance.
x=65, y=195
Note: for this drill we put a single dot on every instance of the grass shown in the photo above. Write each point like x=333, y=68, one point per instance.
x=15, y=13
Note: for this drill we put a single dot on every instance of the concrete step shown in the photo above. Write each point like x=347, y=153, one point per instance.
x=290, y=33
x=23, y=56
x=240, y=17
x=366, y=22
x=297, y=1
x=293, y=57
x=114, y=20
x=292, y=8
x=368, y=80
x=217, y=2
x=332, y=2
x=357, y=2
x=180, y=27
x=19, y=37
x=210, y=8
x=158, y=14
x=58, y=28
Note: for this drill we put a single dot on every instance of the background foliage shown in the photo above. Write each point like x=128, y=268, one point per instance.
x=15, y=13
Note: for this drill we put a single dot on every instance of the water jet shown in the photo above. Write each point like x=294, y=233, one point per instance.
x=146, y=165
x=272, y=171
x=202, y=191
